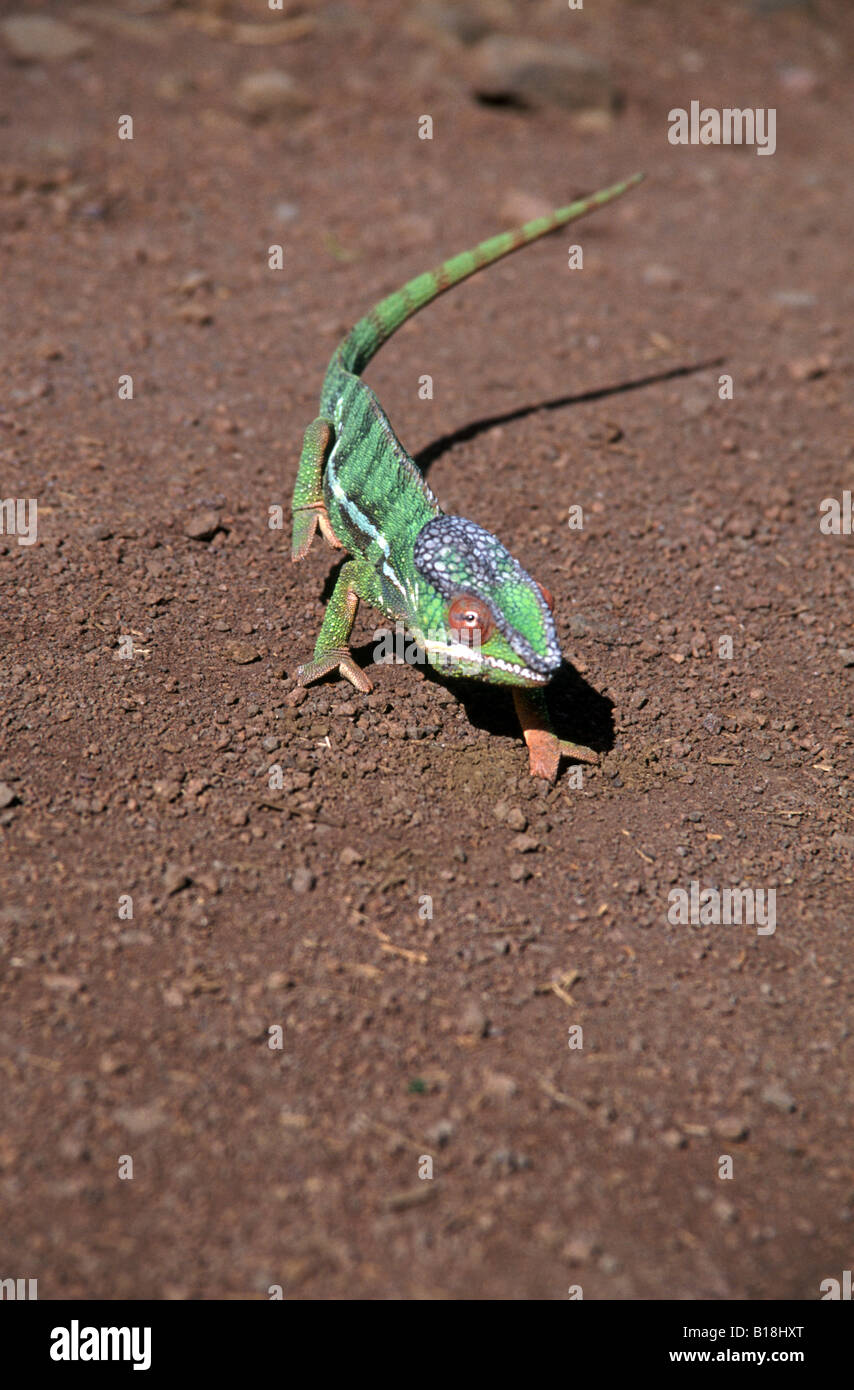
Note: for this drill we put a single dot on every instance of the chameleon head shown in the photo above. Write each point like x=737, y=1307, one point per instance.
x=479, y=613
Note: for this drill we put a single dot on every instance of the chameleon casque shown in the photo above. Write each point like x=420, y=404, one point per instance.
x=470, y=606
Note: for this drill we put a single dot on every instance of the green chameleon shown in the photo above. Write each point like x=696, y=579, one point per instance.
x=470, y=606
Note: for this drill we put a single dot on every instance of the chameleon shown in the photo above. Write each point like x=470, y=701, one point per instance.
x=468, y=603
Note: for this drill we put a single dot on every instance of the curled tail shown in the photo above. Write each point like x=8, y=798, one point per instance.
x=369, y=334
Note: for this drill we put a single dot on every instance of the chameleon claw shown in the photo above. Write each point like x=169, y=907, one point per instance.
x=340, y=660
x=577, y=753
x=545, y=749
x=305, y=522
x=543, y=754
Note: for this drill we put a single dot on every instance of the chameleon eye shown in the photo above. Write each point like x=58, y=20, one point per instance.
x=548, y=596
x=470, y=620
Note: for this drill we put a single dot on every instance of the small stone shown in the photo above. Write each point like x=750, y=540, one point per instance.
x=712, y=723
x=349, y=857
x=674, y=1139
x=108, y=1065
x=66, y=984
x=724, y=1210
x=239, y=817
x=499, y=1086
x=730, y=1127
x=241, y=653
x=8, y=796
x=140, y=1119
x=507, y=1161
x=194, y=313
x=303, y=880
x=474, y=1022
x=441, y=1132
x=38, y=38
x=167, y=789
x=809, y=368
x=174, y=879
x=661, y=276
x=292, y=1120
x=777, y=1096
x=195, y=280
x=278, y=980
x=412, y=1197
x=579, y=1250
x=202, y=526
x=516, y=819
x=532, y=73
x=525, y=844
x=262, y=95
x=518, y=872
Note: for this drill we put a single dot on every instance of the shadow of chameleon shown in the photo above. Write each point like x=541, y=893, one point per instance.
x=578, y=711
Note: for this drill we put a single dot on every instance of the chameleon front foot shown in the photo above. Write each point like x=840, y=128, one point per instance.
x=340, y=660
x=545, y=749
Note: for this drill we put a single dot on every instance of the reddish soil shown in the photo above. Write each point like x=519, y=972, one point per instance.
x=303, y=907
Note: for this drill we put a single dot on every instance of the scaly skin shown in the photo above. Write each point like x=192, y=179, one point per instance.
x=471, y=607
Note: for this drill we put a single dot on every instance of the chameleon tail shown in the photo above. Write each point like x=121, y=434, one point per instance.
x=372, y=331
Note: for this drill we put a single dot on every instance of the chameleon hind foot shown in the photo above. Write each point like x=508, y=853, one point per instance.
x=306, y=520
x=340, y=660
x=307, y=508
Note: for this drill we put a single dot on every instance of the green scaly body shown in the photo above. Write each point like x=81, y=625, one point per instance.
x=467, y=602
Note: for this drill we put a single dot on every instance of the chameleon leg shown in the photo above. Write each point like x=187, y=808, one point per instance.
x=356, y=580
x=545, y=749
x=307, y=506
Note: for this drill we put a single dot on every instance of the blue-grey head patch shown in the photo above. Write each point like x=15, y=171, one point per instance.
x=457, y=556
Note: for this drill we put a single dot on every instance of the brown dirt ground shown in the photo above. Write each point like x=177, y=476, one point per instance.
x=251, y=908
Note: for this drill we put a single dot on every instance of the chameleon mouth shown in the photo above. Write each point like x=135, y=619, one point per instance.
x=470, y=656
